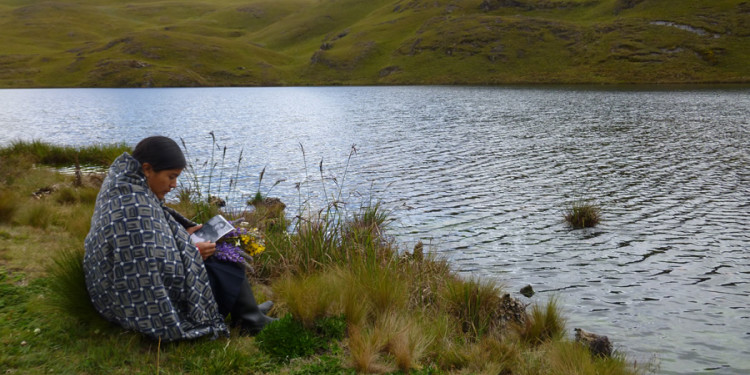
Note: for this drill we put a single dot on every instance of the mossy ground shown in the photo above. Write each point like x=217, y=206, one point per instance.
x=305, y=42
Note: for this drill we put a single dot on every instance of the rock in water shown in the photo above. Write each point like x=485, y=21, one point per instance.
x=527, y=291
x=598, y=345
x=216, y=201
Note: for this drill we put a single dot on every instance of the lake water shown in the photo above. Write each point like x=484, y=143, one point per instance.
x=482, y=175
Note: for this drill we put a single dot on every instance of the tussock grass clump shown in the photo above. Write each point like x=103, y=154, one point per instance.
x=307, y=249
x=68, y=286
x=475, y=303
x=566, y=357
x=545, y=323
x=306, y=298
x=400, y=336
x=317, y=243
x=583, y=214
x=72, y=195
x=383, y=286
x=406, y=339
x=14, y=167
x=8, y=206
x=365, y=346
x=76, y=220
x=37, y=214
x=427, y=277
x=66, y=195
x=367, y=225
x=487, y=356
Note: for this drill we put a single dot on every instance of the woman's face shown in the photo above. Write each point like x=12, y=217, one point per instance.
x=161, y=182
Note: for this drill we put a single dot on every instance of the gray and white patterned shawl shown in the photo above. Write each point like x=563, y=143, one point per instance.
x=141, y=270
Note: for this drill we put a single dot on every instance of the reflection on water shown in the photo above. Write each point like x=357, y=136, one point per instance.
x=483, y=175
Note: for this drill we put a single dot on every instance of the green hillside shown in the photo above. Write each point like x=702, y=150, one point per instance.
x=106, y=43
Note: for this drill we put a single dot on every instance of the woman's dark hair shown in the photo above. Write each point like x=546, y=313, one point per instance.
x=161, y=152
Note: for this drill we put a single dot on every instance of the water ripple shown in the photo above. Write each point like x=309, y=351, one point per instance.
x=482, y=175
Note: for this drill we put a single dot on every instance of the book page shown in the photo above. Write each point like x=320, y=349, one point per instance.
x=215, y=228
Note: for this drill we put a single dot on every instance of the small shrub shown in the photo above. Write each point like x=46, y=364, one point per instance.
x=583, y=215
x=286, y=338
x=332, y=327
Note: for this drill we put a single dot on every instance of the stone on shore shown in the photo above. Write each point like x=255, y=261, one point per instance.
x=598, y=345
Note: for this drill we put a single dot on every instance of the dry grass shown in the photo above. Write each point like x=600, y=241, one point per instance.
x=406, y=339
x=352, y=301
x=365, y=346
x=306, y=298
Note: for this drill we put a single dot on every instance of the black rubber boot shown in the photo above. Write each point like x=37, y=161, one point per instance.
x=248, y=314
x=265, y=307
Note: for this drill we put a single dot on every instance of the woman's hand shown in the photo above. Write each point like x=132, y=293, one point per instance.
x=192, y=229
x=206, y=249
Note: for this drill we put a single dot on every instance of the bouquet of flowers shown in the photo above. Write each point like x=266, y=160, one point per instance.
x=240, y=245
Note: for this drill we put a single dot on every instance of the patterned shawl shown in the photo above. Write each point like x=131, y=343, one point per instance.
x=142, y=272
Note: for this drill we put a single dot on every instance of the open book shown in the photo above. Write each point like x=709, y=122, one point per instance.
x=215, y=228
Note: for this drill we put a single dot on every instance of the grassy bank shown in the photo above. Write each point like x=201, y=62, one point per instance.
x=351, y=301
x=107, y=43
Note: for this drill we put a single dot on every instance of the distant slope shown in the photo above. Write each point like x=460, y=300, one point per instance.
x=106, y=43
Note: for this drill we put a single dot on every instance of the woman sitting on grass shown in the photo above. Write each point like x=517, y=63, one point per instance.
x=143, y=272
